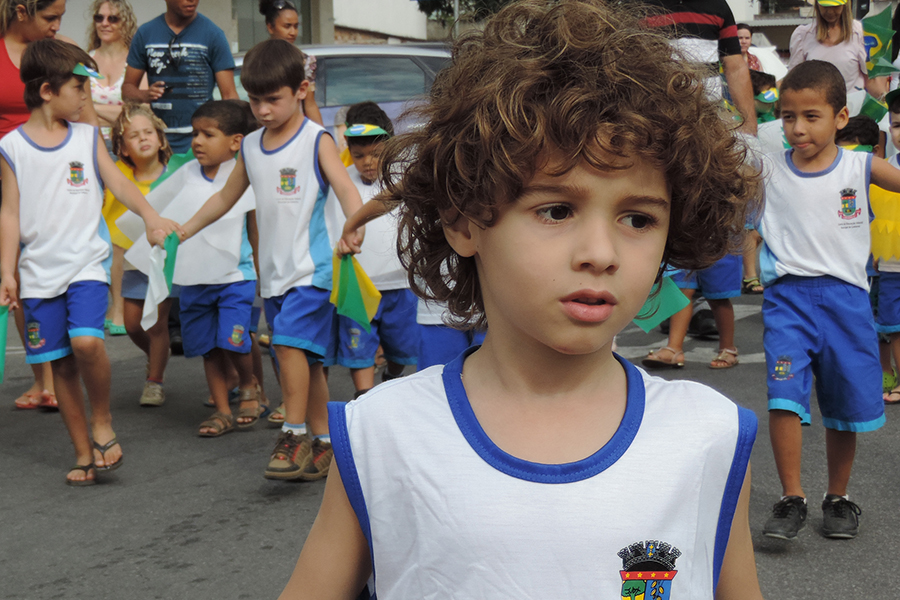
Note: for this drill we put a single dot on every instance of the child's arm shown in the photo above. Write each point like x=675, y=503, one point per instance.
x=884, y=175
x=370, y=211
x=335, y=561
x=220, y=202
x=128, y=194
x=253, y=238
x=737, y=579
x=9, y=235
x=336, y=174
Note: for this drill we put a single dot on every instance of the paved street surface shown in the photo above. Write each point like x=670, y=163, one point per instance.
x=187, y=517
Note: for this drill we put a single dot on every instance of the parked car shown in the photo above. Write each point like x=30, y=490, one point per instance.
x=393, y=75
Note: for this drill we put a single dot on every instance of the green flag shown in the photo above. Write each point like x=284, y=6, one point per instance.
x=171, y=248
x=877, y=34
x=874, y=108
x=4, y=320
x=665, y=300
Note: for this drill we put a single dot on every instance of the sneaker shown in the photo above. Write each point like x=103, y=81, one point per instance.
x=153, y=394
x=291, y=456
x=322, y=455
x=841, y=517
x=788, y=518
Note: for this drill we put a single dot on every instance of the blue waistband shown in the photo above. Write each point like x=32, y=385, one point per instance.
x=819, y=281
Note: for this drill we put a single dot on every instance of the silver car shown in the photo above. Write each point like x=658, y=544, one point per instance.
x=391, y=75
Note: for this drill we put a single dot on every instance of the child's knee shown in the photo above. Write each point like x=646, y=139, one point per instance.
x=85, y=346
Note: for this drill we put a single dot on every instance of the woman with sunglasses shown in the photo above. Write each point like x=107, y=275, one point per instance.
x=283, y=23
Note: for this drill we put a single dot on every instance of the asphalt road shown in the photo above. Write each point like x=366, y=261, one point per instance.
x=187, y=517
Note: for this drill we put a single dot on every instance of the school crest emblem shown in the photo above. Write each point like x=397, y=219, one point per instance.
x=237, y=336
x=288, y=181
x=848, y=204
x=34, y=335
x=782, y=369
x=354, y=338
x=648, y=570
x=76, y=175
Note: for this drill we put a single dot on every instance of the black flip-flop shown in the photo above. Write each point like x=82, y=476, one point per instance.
x=102, y=450
x=83, y=482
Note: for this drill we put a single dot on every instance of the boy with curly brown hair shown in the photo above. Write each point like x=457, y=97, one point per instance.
x=567, y=154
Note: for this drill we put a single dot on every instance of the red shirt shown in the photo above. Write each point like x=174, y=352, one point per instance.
x=13, y=111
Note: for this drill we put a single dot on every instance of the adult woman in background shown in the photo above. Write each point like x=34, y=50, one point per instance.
x=23, y=22
x=109, y=37
x=745, y=37
x=835, y=37
x=283, y=23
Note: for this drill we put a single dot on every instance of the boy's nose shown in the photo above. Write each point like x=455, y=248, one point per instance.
x=595, y=248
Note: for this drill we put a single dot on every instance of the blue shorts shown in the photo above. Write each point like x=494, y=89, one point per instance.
x=304, y=318
x=441, y=344
x=51, y=322
x=216, y=316
x=887, y=305
x=720, y=281
x=135, y=283
x=822, y=327
x=394, y=327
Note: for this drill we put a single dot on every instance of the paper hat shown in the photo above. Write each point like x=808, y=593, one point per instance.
x=832, y=2
x=364, y=131
x=769, y=96
x=85, y=71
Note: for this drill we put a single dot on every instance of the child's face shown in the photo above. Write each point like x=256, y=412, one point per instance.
x=895, y=129
x=570, y=263
x=763, y=108
x=366, y=159
x=275, y=109
x=69, y=102
x=810, y=125
x=211, y=146
x=286, y=26
x=140, y=140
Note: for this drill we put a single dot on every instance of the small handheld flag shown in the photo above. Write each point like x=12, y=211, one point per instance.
x=665, y=300
x=352, y=292
x=162, y=271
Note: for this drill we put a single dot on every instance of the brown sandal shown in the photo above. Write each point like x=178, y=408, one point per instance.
x=727, y=357
x=654, y=359
x=219, y=422
x=250, y=395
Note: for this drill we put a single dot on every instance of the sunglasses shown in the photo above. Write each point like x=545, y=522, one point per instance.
x=113, y=19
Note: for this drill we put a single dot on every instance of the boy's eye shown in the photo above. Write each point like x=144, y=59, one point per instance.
x=639, y=221
x=557, y=212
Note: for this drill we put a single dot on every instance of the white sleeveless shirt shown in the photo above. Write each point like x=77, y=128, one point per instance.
x=816, y=224
x=448, y=514
x=294, y=246
x=64, y=238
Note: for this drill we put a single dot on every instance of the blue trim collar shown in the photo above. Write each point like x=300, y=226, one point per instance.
x=37, y=146
x=788, y=158
x=281, y=147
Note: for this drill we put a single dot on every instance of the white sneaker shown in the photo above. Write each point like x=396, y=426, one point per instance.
x=153, y=394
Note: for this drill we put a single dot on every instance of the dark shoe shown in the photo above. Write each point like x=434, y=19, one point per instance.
x=703, y=324
x=291, y=456
x=841, y=517
x=322, y=455
x=176, y=344
x=788, y=518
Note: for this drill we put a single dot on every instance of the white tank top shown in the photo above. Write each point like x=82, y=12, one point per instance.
x=64, y=238
x=294, y=246
x=448, y=514
x=816, y=224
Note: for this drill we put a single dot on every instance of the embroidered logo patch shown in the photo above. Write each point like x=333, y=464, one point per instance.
x=782, y=369
x=76, y=175
x=34, y=335
x=288, y=181
x=237, y=335
x=848, y=204
x=648, y=569
x=354, y=338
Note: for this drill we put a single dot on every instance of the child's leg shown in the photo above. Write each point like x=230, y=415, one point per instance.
x=363, y=379
x=723, y=313
x=251, y=405
x=840, y=447
x=672, y=354
x=116, y=311
x=132, y=311
x=317, y=408
x=893, y=395
x=294, y=377
x=31, y=397
x=93, y=364
x=158, y=338
x=71, y=407
x=786, y=434
x=215, y=364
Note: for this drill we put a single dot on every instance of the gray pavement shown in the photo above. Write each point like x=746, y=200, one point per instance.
x=187, y=517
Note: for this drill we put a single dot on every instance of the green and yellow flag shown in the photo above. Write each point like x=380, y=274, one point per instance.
x=872, y=107
x=665, y=300
x=352, y=292
x=877, y=35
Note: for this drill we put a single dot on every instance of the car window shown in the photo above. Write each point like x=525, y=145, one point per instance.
x=435, y=63
x=352, y=79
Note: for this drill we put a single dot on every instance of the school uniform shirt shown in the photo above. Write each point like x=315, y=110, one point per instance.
x=295, y=248
x=448, y=514
x=816, y=224
x=63, y=236
x=220, y=253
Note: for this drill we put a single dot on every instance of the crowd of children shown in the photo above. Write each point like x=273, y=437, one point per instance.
x=542, y=205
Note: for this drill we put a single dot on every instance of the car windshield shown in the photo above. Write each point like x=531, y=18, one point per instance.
x=352, y=79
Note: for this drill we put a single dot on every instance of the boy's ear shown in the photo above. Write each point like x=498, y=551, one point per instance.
x=460, y=233
x=46, y=91
x=842, y=118
x=302, y=90
x=236, y=142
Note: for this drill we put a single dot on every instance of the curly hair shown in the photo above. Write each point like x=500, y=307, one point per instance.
x=123, y=9
x=574, y=81
x=129, y=112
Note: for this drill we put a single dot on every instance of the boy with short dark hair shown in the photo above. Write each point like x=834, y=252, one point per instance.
x=65, y=258
x=291, y=163
x=816, y=313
